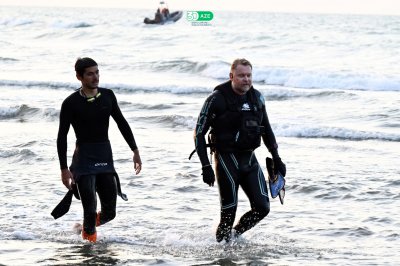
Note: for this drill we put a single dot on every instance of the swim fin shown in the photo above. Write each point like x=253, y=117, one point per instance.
x=63, y=207
x=276, y=182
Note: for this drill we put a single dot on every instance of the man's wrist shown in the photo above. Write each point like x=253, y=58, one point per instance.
x=274, y=153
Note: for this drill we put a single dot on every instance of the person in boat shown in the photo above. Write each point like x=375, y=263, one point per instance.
x=165, y=12
x=159, y=16
x=236, y=114
x=92, y=171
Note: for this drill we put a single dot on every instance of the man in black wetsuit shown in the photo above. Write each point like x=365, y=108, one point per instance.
x=88, y=110
x=236, y=114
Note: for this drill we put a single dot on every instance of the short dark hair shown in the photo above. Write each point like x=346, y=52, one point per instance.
x=82, y=63
x=240, y=61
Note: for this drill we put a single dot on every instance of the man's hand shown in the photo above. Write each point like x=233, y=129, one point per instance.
x=279, y=166
x=67, y=178
x=137, y=161
x=208, y=175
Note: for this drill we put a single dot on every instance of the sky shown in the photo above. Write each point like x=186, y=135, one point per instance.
x=387, y=7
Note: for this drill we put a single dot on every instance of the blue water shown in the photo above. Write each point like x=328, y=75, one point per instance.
x=331, y=84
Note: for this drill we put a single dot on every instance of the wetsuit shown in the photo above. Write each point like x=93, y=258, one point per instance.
x=228, y=114
x=92, y=165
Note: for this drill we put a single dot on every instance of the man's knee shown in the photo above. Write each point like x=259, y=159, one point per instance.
x=107, y=216
x=263, y=211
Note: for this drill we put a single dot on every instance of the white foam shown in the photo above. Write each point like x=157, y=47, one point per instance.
x=302, y=131
x=23, y=235
x=7, y=112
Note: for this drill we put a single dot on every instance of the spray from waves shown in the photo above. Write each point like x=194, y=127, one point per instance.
x=301, y=131
x=191, y=248
x=25, y=112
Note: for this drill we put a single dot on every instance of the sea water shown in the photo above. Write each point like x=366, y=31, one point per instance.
x=331, y=84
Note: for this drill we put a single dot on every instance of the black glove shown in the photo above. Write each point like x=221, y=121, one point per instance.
x=279, y=166
x=208, y=175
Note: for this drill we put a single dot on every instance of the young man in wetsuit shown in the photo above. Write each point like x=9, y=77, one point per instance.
x=236, y=114
x=88, y=110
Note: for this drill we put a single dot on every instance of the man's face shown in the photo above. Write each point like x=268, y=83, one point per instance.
x=241, y=79
x=90, y=79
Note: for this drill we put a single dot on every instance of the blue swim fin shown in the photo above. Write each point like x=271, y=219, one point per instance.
x=276, y=181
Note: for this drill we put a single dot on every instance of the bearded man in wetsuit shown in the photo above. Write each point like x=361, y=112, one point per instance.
x=88, y=110
x=236, y=114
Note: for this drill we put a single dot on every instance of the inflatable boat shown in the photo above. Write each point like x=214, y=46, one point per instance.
x=172, y=17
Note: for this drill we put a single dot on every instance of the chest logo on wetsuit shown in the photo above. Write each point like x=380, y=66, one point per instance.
x=245, y=107
x=100, y=164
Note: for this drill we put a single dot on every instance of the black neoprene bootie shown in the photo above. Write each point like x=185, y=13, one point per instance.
x=223, y=234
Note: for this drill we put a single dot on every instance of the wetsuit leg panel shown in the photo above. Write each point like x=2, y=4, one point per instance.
x=227, y=176
x=255, y=187
x=87, y=191
x=107, y=191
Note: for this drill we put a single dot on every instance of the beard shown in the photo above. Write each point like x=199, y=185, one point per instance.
x=243, y=88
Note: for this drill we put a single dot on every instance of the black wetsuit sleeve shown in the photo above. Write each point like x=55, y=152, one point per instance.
x=268, y=136
x=122, y=124
x=207, y=114
x=65, y=122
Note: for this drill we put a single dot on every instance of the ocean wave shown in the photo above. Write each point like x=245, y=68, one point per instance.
x=70, y=25
x=321, y=80
x=126, y=88
x=19, y=154
x=296, y=131
x=285, y=77
x=307, y=79
x=278, y=93
x=15, y=22
x=16, y=111
x=152, y=106
x=325, y=83
x=281, y=93
x=173, y=121
x=25, y=112
x=7, y=59
x=35, y=83
x=301, y=131
x=178, y=65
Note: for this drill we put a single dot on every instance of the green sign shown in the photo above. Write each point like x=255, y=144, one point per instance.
x=199, y=15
